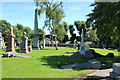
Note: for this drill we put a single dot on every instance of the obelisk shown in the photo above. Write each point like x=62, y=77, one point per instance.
x=82, y=47
x=35, y=44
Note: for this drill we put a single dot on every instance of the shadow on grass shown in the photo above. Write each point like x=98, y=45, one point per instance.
x=109, y=61
x=57, y=61
x=49, y=48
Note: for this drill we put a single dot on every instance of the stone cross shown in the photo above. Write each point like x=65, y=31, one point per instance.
x=24, y=45
x=10, y=41
x=35, y=44
x=82, y=47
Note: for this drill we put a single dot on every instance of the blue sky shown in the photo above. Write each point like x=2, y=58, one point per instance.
x=23, y=13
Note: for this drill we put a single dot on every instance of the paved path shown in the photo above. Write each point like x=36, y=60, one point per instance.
x=101, y=73
x=23, y=56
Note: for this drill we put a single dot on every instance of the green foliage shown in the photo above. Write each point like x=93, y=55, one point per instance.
x=20, y=27
x=93, y=36
x=60, y=32
x=29, y=32
x=73, y=36
x=18, y=34
x=105, y=17
x=5, y=29
x=40, y=34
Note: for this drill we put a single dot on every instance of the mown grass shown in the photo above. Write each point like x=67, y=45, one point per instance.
x=44, y=64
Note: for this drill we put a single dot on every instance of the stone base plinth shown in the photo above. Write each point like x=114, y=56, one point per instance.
x=10, y=50
x=36, y=48
x=24, y=51
x=116, y=68
x=114, y=75
x=9, y=54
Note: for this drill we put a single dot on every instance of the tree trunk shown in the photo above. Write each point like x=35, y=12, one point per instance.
x=55, y=40
x=43, y=39
x=52, y=40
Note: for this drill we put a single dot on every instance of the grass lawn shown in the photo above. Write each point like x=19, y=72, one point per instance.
x=44, y=63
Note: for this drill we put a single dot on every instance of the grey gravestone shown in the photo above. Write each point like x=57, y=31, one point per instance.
x=81, y=66
x=24, y=45
x=75, y=44
x=115, y=74
x=1, y=41
x=116, y=68
x=35, y=44
x=95, y=64
x=82, y=47
x=9, y=54
x=80, y=53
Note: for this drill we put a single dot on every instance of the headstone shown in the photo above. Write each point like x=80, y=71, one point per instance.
x=95, y=64
x=75, y=43
x=10, y=41
x=115, y=74
x=80, y=66
x=35, y=44
x=1, y=41
x=24, y=45
x=30, y=47
x=82, y=47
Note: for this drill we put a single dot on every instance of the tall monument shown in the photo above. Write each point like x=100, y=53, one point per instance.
x=82, y=47
x=10, y=41
x=24, y=45
x=35, y=44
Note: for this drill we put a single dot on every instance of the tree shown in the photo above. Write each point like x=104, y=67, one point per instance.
x=5, y=29
x=28, y=31
x=105, y=17
x=18, y=35
x=66, y=38
x=40, y=34
x=73, y=36
x=93, y=36
x=60, y=32
x=54, y=13
x=20, y=27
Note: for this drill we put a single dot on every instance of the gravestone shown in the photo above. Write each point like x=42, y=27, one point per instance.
x=10, y=41
x=95, y=64
x=24, y=45
x=115, y=74
x=1, y=41
x=35, y=44
x=75, y=43
x=82, y=47
x=80, y=53
x=10, y=50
